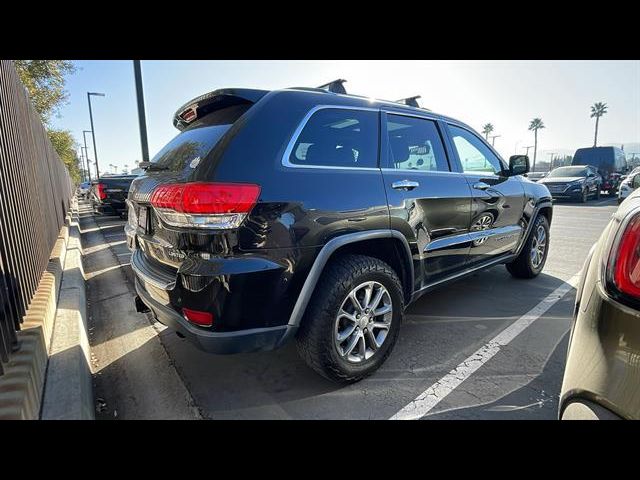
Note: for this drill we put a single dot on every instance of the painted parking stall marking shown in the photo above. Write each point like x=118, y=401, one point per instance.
x=428, y=399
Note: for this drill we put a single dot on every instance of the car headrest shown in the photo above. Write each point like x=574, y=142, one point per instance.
x=399, y=148
x=328, y=154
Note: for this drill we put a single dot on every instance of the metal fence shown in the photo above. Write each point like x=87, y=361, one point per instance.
x=35, y=192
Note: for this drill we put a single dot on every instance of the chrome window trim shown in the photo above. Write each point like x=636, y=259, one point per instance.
x=425, y=116
x=303, y=123
x=421, y=172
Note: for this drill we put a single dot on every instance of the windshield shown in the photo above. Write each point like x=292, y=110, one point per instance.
x=198, y=140
x=569, y=172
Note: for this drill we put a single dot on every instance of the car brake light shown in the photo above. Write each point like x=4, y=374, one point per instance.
x=205, y=204
x=624, y=260
x=204, y=319
x=101, y=193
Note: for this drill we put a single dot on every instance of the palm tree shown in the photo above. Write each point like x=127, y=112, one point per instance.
x=535, y=125
x=487, y=129
x=597, y=110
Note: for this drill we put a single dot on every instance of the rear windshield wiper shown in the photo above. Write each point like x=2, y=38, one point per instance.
x=151, y=166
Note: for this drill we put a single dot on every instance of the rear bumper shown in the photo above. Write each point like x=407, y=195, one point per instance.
x=114, y=207
x=253, y=340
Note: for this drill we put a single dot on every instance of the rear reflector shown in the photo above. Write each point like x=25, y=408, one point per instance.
x=626, y=260
x=204, y=319
x=205, y=204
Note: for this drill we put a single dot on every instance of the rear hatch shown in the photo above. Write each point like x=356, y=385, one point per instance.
x=167, y=232
x=115, y=188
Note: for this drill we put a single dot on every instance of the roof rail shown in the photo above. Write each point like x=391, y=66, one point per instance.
x=335, y=86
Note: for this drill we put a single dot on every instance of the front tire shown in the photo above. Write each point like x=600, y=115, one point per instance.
x=585, y=196
x=353, y=319
x=530, y=262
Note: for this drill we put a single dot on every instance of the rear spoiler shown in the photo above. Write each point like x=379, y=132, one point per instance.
x=212, y=101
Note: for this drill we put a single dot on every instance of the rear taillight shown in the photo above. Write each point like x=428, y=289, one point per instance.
x=204, y=319
x=101, y=193
x=205, y=205
x=624, y=260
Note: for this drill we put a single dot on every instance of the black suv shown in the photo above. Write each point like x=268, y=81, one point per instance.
x=303, y=213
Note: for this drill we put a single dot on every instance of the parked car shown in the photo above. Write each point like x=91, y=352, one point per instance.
x=610, y=162
x=83, y=189
x=602, y=372
x=578, y=182
x=536, y=176
x=109, y=194
x=307, y=214
x=628, y=185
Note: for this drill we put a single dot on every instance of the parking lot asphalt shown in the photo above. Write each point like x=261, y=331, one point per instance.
x=442, y=330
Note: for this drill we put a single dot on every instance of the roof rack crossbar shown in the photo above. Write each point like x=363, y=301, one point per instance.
x=335, y=86
x=410, y=101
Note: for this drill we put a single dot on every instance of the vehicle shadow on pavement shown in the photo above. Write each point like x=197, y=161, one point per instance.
x=441, y=330
x=603, y=202
x=537, y=400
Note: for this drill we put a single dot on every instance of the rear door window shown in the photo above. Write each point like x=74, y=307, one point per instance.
x=336, y=137
x=415, y=144
x=194, y=143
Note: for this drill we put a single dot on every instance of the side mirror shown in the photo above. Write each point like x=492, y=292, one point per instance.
x=636, y=181
x=518, y=165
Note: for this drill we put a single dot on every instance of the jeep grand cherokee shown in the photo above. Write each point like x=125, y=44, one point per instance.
x=318, y=216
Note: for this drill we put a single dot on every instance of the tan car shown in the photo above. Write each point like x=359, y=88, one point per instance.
x=602, y=374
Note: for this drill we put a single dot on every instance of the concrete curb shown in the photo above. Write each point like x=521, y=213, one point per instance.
x=22, y=385
x=68, y=393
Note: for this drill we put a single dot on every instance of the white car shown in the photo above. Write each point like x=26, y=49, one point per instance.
x=628, y=185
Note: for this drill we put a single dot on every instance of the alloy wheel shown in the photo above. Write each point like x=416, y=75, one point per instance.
x=363, y=322
x=538, y=247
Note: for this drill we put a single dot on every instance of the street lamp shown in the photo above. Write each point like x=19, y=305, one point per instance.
x=137, y=71
x=515, y=150
x=493, y=139
x=84, y=135
x=93, y=135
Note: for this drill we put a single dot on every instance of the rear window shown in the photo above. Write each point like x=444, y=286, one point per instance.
x=195, y=143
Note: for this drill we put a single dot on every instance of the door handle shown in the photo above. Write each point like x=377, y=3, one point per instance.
x=481, y=186
x=404, y=185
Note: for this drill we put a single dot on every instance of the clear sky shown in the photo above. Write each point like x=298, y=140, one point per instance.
x=506, y=93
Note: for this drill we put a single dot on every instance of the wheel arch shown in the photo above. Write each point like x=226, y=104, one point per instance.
x=389, y=246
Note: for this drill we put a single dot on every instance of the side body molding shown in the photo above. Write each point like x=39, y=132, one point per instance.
x=324, y=255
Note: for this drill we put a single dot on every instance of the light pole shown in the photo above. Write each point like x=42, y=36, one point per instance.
x=515, y=150
x=82, y=165
x=530, y=146
x=93, y=135
x=86, y=153
x=493, y=139
x=141, y=116
x=551, y=160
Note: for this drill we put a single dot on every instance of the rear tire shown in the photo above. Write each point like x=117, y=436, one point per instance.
x=317, y=339
x=528, y=265
x=598, y=194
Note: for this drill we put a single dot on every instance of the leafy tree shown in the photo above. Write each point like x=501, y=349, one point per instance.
x=45, y=81
x=535, y=125
x=487, y=129
x=67, y=148
x=598, y=109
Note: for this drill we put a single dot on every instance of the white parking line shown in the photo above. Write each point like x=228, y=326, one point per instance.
x=428, y=399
